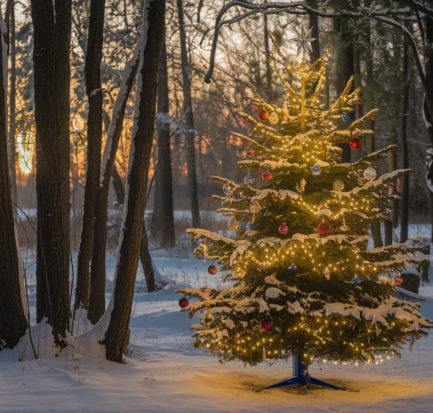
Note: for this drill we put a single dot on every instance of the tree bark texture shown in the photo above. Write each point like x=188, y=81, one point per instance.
x=92, y=72
x=314, y=23
x=12, y=100
x=189, y=119
x=52, y=35
x=97, y=274
x=371, y=139
x=13, y=322
x=162, y=225
x=118, y=187
x=116, y=337
x=404, y=211
x=269, y=83
x=345, y=68
x=146, y=261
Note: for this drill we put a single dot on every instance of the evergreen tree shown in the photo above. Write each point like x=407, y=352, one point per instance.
x=302, y=278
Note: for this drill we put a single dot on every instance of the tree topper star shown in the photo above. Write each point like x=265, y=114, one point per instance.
x=303, y=38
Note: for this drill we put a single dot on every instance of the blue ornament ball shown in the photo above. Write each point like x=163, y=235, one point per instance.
x=292, y=268
x=347, y=118
x=316, y=170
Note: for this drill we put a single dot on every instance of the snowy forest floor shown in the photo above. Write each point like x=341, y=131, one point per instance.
x=165, y=373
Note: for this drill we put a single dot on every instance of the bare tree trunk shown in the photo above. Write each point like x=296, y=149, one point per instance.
x=146, y=261
x=189, y=120
x=13, y=323
x=269, y=85
x=97, y=275
x=52, y=35
x=389, y=223
x=314, y=23
x=162, y=218
x=116, y=180
x=404, y=213
x=117, y=335
x=371, y=139
x=94, y=141
x=12, y=100
x=118, y=187
x=345, y=68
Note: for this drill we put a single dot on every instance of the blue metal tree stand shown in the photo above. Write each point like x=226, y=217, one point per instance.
x=302, y=377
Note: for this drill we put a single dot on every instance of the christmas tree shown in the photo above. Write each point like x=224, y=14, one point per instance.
x=301, y=278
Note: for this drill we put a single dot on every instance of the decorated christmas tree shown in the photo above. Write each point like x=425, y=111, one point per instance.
x=301, y=280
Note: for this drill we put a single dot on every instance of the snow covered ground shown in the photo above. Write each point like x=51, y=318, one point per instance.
x=165, y=373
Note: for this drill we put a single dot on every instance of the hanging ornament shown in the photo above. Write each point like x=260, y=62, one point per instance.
x=347, y=118
x=316, y=170
x=251, y=152
x=183, y=302
x=266, y=214
x=263, y=114
x=338, y=185
x=370, y=173
x=267, y=176
x=265, y=324
x=212, y=269
x=249, y=180
x=250, y=226
x=273, y=119
x=397, y=185
x=292, y=268
x=344, y=227
x=355, y=143
x=283, y=229
x=233, y=225
x=327, y=273
x=198, y=252
x=228, y=190
x=197, y=343
x=398, y=280
x=242, y=153
x=355, y=281
x=323, y=228
x=302, y=185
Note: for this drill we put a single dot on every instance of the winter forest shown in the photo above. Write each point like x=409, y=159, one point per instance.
x=216, y=206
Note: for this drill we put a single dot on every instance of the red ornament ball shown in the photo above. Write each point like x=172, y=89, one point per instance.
x=263, y=114
x=265, y=325
x=398, y=281
x=212, y=269
x=267, y=176
x=251, y=151
x=183, y=302
x=283, y=229
x=323, y=228
x=355, y=143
